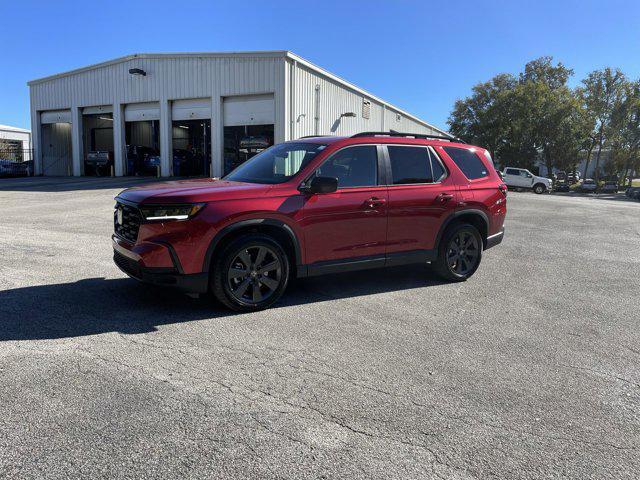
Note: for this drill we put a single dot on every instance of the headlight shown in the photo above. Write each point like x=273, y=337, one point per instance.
x=170, y=212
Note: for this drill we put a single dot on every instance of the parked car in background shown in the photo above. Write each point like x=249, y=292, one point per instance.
x=609, y=186
x=589, y=185
x=184, y=163
x=523, y=178
x=633, y=193
x=100, y=162
x=310, y=207
x=142, y=160
x=255, y=142
x=631, y=190
x=12, y=168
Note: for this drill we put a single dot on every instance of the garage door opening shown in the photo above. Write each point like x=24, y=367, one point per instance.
x=142, y=136
x=248, y=127
x=143, y=148
x=191, y=148
x=191, y=137
x=56, y=143
x=97, y=137
x=243, y=142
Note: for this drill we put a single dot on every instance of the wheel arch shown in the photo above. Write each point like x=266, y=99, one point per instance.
x=278, y=229
x=477, y=218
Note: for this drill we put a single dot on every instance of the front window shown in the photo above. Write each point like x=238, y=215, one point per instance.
x=352, y=167
x=276, y=164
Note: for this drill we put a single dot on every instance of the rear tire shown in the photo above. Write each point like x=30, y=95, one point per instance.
x=459, y=253
x=251, y=273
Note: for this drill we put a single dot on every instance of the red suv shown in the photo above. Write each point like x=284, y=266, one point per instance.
x=313, y=206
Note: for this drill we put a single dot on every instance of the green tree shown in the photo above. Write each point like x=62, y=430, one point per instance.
x=625, y=136
x=522, y=119
x=551, y=117
x=601, y=92
x=483, y=118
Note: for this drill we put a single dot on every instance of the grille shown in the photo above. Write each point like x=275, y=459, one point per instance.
x=131, y=219
x=126, y=264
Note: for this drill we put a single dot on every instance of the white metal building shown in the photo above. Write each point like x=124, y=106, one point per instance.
x=213, y=110
x=19, y=138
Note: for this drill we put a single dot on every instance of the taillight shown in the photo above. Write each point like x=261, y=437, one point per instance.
x=503, y=189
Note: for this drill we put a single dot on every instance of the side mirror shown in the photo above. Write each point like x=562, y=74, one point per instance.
x=321, y=185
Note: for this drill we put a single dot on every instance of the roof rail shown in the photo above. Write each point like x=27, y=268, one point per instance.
x=315, y=136
x=400, y=134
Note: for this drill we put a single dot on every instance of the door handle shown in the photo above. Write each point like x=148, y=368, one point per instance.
x=444, y=197
x=374, y=202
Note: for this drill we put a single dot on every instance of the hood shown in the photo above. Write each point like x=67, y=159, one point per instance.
x=190, y=191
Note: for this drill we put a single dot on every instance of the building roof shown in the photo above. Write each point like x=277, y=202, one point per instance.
x=265, y=53
x=8, y=128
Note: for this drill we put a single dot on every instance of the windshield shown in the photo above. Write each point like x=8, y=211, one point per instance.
x=276, y=164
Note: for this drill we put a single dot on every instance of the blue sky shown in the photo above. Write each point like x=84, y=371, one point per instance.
x=419, y=55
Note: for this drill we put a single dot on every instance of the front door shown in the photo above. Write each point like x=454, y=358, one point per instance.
x=420, y=197
x=350, y=223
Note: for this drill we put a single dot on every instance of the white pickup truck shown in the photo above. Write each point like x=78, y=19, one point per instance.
x=523, y=178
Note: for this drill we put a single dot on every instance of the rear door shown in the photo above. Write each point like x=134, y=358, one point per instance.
x=421, y=195
x=351, y=222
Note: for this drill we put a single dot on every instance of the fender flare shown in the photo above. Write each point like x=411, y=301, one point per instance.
x=457, y=214
x=249, y=223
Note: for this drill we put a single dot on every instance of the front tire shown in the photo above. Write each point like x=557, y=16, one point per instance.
x=251, y=273
x=459, y=253
x=539, y=189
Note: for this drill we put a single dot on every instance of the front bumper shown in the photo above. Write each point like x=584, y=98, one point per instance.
x=495, y=239
x=131, y=263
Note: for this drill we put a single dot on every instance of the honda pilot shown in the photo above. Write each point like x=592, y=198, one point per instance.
x=314, y=206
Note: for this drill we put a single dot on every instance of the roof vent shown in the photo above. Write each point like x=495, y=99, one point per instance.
x=366, y=108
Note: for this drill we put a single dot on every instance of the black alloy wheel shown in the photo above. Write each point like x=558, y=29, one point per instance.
x=254, y=275
x=459, y=252
x=463, y=253
x=250, y=273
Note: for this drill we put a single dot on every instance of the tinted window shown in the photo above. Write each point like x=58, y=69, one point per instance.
x=276, y=164
x=513, y=171
x=410, y=165
x=468, y=162
x=437, y=168
x=353, y=167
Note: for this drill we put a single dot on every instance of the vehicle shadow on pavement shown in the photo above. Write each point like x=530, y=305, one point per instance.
x=96, y=305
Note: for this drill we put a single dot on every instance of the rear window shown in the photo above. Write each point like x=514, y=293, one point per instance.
x=468, y=162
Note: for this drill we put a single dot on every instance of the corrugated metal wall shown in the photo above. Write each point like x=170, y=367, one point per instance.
x=310, y=115
x=170, y=78
x=210, y=76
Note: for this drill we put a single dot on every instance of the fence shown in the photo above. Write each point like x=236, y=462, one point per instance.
x=16, y=162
